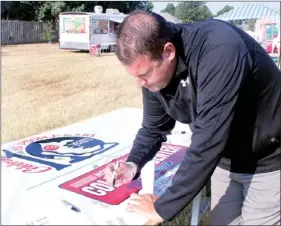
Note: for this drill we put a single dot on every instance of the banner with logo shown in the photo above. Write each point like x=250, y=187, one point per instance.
x=46, y=171
x=54, y=155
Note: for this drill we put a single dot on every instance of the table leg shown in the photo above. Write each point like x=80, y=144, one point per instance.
x=195, y=212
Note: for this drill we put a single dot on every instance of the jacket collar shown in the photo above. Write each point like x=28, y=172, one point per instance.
x=179, y=45
x=180, y=65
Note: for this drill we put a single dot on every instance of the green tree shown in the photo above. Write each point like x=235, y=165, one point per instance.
x=148, y=6
x=170, y=8
x=5, y=10
x=225, y=9
x=16, y=10
x=251, y=24
x=49, y=10
x=122, y=6
x=192, y=11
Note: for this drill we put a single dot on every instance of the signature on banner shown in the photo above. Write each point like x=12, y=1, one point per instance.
x=41, y=154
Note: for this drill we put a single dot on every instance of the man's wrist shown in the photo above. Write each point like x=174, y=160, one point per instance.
x=134, y=167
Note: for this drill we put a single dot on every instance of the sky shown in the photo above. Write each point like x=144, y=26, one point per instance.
x=215, y=6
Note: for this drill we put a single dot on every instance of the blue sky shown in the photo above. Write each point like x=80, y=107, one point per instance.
x=215, y=6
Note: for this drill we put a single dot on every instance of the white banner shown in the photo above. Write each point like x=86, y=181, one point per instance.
x=52, y=178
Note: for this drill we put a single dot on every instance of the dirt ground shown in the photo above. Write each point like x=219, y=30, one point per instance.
x=44, y=87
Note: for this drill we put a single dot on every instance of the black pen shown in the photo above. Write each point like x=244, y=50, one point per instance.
x=72, y=207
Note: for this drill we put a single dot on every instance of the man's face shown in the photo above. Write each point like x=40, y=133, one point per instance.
x=154, y=74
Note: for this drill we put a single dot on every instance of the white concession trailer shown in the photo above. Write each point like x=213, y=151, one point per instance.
x=80, y=30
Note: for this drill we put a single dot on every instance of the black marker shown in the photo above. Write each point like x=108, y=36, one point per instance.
x=72, y=207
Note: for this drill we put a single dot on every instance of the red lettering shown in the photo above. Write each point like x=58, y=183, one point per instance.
x=13, y=163
x=26, y=168
x=52, y=136
x=24, y=142
x=39, y=138
x=4, y=159
x=37, y=169
x=17, y=148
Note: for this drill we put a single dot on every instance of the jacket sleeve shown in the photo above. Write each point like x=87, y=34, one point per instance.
x=156, y=125
x=221, y=71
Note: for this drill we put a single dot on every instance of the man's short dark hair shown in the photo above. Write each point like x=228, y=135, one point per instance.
x=142, y=33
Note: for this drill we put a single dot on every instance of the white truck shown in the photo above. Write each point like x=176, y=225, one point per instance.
x=80, y=30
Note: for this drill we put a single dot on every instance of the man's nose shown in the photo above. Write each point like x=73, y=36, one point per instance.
x=140, y=82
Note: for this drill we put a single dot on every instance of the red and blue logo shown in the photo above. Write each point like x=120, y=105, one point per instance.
x=59, y=152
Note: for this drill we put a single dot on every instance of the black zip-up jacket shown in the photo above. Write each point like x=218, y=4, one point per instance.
x=228, y=88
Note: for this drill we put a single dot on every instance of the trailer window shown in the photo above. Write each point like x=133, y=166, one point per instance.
x=113, y=26
x=74, y=25
x=100, y=26
x=271, y=31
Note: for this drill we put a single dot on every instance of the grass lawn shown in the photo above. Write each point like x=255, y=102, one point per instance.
x=44, y=87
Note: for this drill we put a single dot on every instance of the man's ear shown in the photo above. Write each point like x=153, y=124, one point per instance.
x=169, y=51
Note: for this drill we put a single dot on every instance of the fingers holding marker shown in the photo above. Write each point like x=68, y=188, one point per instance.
x=116, y=173
x=119, y=168
x=109, y=174
x=119, y=181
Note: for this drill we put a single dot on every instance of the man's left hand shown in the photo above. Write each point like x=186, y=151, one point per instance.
x=144, y=205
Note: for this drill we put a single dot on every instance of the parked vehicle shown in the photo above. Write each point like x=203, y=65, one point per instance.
x=81, y=30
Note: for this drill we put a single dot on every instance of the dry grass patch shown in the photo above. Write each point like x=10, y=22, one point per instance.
x=44, y=87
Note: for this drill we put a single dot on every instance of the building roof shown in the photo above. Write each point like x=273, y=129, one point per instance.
x=251, y=10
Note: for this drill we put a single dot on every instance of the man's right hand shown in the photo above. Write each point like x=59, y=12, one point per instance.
x=120, y=173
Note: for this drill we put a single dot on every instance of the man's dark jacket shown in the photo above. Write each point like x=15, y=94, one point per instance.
x=228, y=88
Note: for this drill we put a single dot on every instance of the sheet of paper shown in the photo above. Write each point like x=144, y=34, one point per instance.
x=147, y=178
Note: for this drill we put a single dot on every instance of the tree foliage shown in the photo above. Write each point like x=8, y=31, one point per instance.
x=170, y=8
x=49, y=10
x=251, y=24
x=16, y=10
x=225, y=9
x=192, y=11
